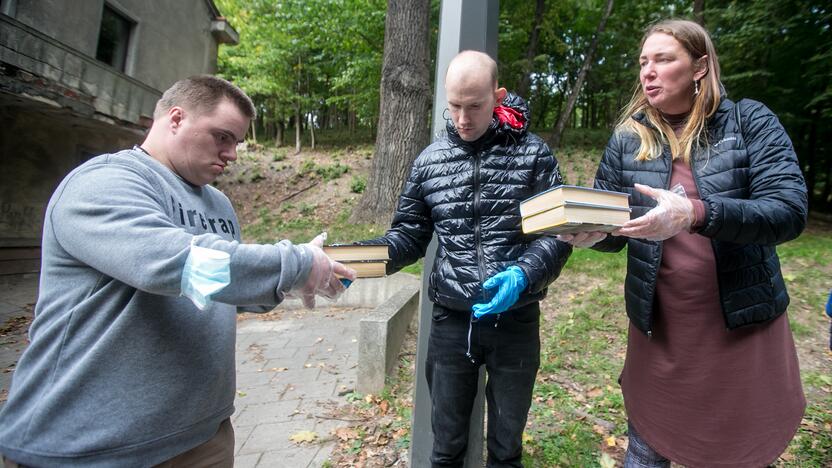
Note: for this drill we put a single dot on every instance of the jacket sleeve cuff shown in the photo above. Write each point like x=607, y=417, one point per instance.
x=698, y=215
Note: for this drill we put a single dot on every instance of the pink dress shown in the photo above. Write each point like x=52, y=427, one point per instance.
x=699, y=394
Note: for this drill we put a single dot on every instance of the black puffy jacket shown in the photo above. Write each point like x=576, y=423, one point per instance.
x=754, y=195
x=470, y=193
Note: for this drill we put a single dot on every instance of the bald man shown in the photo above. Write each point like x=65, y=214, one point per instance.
x=488, y=277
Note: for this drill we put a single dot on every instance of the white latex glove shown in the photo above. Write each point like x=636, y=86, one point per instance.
x=324, y=277
x=582, y=239
x=672, y=215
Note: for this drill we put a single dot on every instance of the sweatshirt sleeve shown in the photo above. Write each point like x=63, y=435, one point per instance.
x=113, y=218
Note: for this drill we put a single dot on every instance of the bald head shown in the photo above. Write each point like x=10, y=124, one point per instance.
x=473, y=68
x=471, y=88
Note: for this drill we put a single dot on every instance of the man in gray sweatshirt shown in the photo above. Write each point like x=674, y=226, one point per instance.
x=131, y=361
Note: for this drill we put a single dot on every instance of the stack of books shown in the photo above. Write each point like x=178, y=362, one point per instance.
x=567, y=209
x=368, y=261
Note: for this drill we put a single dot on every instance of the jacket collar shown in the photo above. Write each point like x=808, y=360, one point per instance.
x=510, y=118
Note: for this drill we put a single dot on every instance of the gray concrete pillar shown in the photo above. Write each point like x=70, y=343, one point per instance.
x=463, y=25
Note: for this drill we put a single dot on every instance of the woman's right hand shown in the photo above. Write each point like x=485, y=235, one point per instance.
x=582, y=239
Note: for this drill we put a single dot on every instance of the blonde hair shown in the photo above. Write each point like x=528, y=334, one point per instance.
x=696, y=41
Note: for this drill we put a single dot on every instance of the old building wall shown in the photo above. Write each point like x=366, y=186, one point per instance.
x=60, y=105
x=39, y=146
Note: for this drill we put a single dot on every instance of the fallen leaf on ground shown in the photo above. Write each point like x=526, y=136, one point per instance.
x=594, y=392
x=606, y=461
x=346, y=433
x=610, y=441
x=303, y=436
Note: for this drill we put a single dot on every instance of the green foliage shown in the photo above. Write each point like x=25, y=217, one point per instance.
x=320, y=59
x=358, y=184
x=332, y=172
x=791, y=74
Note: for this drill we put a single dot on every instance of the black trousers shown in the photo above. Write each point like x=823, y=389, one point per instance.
x=509, y=347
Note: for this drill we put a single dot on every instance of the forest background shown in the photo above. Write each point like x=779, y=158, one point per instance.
x=316, y=65
x=325, y=154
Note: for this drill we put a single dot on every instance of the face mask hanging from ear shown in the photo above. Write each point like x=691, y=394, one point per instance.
x=206, y=272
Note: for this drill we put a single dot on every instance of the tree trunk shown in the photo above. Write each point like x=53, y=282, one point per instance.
x=531, y=51
x=403, y=109
x=297, y=127
x=279, y=134
x=542, y=108
x=254, y=130
x=811, y=156
x=557, y=134
x=699, y=12
x=312, y=129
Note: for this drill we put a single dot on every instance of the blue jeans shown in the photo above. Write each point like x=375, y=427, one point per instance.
x=641, y=455
x=509, y=347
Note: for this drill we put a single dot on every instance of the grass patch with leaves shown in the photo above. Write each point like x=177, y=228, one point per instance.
x=578, y=416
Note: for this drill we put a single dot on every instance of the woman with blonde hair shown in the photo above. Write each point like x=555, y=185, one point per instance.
x=711, y=375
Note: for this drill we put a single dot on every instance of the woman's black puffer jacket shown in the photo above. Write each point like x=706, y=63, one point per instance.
x=754, y=195
x=470, y=193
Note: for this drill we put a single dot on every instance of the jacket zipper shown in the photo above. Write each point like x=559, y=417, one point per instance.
x=477, y=233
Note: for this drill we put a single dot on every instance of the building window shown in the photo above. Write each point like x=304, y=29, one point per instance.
x=113, y=38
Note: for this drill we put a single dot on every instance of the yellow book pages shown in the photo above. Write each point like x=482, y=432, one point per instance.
x=351, y=253
x=368, y=269
x=561, y=194
x=569, y=216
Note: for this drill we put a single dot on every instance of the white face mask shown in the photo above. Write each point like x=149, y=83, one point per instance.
x=206, y=272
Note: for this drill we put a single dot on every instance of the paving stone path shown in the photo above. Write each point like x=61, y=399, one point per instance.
x=293, y=369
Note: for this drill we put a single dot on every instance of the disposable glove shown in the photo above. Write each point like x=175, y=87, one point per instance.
x=325, y=275
x=582, y=239
x=672, y=215
x=509, y=283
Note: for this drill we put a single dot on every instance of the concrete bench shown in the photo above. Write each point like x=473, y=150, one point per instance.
x=381, y=335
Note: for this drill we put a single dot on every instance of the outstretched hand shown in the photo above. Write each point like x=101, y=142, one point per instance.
x=325, y=275
x=672, y=215
x=509, y=284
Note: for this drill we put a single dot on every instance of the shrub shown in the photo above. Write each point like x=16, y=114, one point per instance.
x=358, y=184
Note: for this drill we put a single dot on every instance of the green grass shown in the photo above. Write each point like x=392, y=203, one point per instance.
x=270, y=227
x=582, y=355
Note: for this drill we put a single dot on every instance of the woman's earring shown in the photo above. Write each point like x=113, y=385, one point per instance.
x=695, y=88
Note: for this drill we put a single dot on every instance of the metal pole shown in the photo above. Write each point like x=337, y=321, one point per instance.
x=463, y=25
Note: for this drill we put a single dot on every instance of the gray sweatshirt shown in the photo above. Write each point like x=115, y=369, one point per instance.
x=121, y=369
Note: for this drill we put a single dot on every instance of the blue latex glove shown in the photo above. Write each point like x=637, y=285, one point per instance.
x=511, y=283
x=829, y=305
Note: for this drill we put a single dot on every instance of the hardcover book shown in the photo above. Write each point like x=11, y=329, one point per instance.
x=572, y=217
x=368, y=261
x=561, y=194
